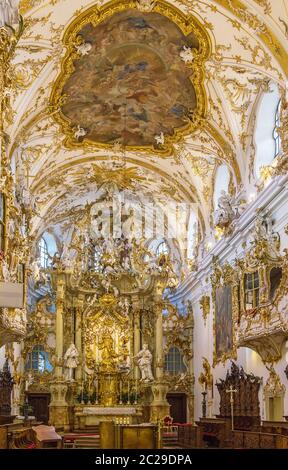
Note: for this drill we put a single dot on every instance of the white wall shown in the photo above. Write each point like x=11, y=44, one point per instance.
x=275, y=199
x=265, y=125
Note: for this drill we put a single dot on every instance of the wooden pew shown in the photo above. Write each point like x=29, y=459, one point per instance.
x=259, y=440
x=46, y=437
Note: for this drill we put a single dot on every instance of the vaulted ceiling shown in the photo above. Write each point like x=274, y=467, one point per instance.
x=131, y=99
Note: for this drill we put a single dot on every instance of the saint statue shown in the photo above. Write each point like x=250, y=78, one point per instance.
x=9, y=13
x=71, y=360
x=144, y=361
x=108, y=354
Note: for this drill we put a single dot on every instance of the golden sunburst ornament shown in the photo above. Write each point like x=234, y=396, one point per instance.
x=124, y=178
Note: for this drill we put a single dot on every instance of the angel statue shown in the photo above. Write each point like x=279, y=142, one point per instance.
x=229, y=209
x=9, y=12
x=71, y=360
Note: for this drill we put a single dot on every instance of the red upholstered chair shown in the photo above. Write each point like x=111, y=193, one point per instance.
x=167, y=420
x=168, y=427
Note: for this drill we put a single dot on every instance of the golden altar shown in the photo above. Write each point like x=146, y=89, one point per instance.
x=91, y=415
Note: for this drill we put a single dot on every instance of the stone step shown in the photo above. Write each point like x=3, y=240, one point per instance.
x=86, y=443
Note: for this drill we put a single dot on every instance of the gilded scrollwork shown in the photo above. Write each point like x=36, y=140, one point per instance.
x=258, y=322
x=205, y=306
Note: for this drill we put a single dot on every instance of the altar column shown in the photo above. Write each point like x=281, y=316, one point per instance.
x=159, y=406
x=58, y=415
x=159, y=338
x=137, y=334
x=59, y=327
x=78, y=336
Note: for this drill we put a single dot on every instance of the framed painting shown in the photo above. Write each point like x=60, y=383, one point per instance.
x=223, y=323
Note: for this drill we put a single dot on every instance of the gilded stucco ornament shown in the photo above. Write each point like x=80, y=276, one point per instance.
x=281, y=165
x=205, y=306
x=206, y=377
x=16, y=249
x=273, y=386
x=264, y=327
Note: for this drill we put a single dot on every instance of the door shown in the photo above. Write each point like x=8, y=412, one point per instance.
x=40, y=404
x=178, y=407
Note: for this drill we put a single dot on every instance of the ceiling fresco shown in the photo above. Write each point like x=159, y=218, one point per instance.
x=132, y=84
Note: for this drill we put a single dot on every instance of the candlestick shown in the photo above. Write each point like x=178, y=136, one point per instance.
x=96, y=382
x=120, y=392
x=136, y=391
x=82, y=392
x=128, y=401
x=204, y=405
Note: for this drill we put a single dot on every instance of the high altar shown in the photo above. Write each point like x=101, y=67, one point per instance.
x=109, y=337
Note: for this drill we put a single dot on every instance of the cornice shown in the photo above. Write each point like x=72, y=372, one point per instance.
x=275, y=195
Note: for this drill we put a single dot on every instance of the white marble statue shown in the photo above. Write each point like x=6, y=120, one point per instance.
x=229, y=209
x=5, y=271
x=160, y=139
x=145, y=5
x=124, y=304
x=144, y=361
x=35, y=270
x=84, y=49
x=9, y=12
x=71, y=360
x=187, y=55
x=80, y=132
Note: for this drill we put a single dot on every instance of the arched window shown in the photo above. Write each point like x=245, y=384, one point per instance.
x=38, y=361
x=222, y=180
x=192, y=238
x=2, y=218
x=276, y=135
x=267, y=139
x=43, y=253
x=162, y=249
x=174, y=363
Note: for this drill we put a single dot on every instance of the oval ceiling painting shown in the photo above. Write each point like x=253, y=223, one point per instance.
x=131, y=83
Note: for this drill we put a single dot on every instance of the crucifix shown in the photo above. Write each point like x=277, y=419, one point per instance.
x=232, y=391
